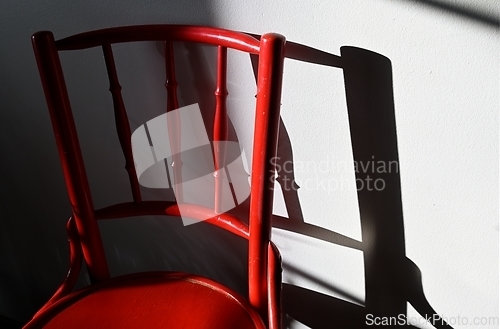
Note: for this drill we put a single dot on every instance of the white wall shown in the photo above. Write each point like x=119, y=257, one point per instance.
x=446, y=94
x=446, y=89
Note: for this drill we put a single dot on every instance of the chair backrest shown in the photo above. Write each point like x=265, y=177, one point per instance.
x=263, y=259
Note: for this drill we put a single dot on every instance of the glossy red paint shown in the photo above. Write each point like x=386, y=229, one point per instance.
x=151, y=300
x=165, y=300
x=75, y=264
x=220, y=123
x=269, y=80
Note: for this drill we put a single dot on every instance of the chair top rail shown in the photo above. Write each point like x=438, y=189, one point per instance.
x=201, y=34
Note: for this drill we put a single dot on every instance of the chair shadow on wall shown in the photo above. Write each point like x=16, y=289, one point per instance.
x=391, y=279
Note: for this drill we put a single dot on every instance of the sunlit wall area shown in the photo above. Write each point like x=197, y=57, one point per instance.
x=445, y=66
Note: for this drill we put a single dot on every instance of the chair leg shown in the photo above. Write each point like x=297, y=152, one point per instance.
x=274, y=286
x=75, y=265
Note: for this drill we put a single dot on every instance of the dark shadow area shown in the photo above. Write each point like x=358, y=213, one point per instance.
x=391, y=279
x=368, y=84
x=462, y=11
x=6, y=323
x=34, y=206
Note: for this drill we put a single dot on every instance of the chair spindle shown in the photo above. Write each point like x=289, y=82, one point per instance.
x=220, y=125
x=173, y=121
x=121, y=121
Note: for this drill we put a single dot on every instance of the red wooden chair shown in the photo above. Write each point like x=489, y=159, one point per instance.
x=164, y=299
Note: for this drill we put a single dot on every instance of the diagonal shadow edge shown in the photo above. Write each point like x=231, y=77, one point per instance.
x=474, y=15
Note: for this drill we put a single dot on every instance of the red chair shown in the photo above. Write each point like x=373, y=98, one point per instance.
x=164, y=299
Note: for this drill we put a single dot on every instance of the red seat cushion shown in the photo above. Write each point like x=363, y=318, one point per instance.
x=154, y=300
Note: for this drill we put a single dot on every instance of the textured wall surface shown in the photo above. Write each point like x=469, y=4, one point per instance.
x=445, y=74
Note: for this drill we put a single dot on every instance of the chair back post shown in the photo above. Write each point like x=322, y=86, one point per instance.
x=269, y=82
x=70, y=155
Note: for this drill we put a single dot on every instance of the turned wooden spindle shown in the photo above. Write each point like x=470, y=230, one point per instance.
x=173, y=120
x=220, y=126
x=121, y=121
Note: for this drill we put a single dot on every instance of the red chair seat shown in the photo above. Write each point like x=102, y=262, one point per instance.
x=144, y=300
